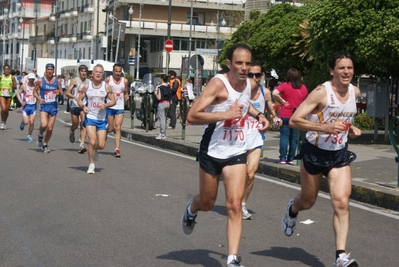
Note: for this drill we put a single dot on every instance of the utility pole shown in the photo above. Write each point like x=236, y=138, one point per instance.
x=35, y=42
x=169, y=26
x=98, y=26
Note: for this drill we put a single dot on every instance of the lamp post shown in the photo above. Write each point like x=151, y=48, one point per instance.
x=23, y=42
x=168, y=33
x=55, y=18
x=138, y=46
x=5, y=13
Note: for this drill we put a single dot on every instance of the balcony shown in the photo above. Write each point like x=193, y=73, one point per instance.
x=37, y=39
x=87, y=36
x=88, y=8
x=74, y=13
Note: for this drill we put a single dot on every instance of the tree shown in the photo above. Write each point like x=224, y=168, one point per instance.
x=368, y=29
x=271, y=37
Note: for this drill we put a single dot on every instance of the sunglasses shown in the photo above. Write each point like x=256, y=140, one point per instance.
x=257, y=75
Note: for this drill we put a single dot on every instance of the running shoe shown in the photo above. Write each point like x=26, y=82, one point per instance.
x=344, y=261
x=82, y=150
x=187, y=222
x=22, y=126
x=117, y=153
x=160, y=136
x=71, y=136
x=46, y=149
x=282, y=161
x=235, y=262
x=2, y=124
x=245, y=213
x=96, y=155
x=290, y=162
x=288, y=223
x=29, y=139
x=91, y=168
x=40, y=140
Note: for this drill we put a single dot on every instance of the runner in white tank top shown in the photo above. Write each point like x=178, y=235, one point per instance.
x=77, y=115
x=222, y=109
x=28, y=103
x=332, y=107
x=99, y=97
x=115, y=113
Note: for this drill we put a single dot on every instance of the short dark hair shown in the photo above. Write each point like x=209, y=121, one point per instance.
x=83, y=67
x=257, y=63
x=172, y=72
x=338, y=55
x=164, y=78
x=232, y=49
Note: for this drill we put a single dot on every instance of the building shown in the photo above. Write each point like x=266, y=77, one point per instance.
x=83, y=29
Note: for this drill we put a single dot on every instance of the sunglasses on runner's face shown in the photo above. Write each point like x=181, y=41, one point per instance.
x=251, y=75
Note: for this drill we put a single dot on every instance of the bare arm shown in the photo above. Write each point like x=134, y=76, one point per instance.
x=214, y=93
x=278, y=97
x=314, y=103
x=36, y=91
x=81, y=96
x=19, y=94
x=68, y=92
x=126, y=91
x=111, y=98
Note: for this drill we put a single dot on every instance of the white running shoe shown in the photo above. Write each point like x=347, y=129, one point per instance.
x=160, y=137
x=91, y=168
x=245, y=213
x=235, y=262
x=288, y=223
x=186, y=222
x=344, y=261
x=46, y=149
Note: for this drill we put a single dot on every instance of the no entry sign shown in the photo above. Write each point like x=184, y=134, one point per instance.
x=168, y=45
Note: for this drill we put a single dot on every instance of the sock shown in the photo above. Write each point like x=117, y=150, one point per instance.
x=338, y=252
x=190, y=215
x=230, y=258
x=44, y=144
x=292, y=214
x=82, y=144
x=243, y=203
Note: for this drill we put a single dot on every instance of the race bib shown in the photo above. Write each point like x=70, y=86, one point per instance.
x=49, y=96
x=30, y=99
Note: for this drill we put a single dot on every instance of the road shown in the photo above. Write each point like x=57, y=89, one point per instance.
x=52, y=213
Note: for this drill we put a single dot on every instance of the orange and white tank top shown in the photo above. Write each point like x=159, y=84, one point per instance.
x=334, y=111
x=118, y=88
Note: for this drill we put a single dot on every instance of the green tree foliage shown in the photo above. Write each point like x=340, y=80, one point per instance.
x=271, y=37
x=368, y=29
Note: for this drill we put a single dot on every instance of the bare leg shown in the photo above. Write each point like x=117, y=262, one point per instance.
x=340, y=184
x=253, y=157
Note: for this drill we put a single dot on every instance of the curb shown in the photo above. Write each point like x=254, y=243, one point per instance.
x=365, y=194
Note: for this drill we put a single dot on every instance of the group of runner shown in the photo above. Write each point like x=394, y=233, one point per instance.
x=96, y=106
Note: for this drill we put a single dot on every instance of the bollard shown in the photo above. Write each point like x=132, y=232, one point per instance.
x=132, y=109
x=183, y=115
x=394, y=131
x=299, y=135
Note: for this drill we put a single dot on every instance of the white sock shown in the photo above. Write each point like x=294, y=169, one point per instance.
x=189, y=212
x=230, y=258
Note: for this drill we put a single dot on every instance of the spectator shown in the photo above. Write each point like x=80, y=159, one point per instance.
x=290, y=94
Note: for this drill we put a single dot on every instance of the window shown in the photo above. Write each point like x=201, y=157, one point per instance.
x=198, y=18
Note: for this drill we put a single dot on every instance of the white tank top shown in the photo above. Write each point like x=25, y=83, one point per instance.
x=76, y=92
x=96, y=97
x=118, y=88
x=28, y=97
x=254, y=138
x=227, y=138
x=334, y=110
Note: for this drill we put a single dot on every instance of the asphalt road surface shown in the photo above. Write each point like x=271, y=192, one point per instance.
x=52, y=213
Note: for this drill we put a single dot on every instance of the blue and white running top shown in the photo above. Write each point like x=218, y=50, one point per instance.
x=48, y=92
x=254, y=137
x=225, y=139
x=96, y=97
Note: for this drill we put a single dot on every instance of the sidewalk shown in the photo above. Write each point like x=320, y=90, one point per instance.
x=374, y=172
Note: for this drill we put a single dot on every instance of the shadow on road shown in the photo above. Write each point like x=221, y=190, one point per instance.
x=291, y=254
x=194, y=257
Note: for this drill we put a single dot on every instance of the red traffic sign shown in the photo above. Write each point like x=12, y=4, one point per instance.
x=168, y=45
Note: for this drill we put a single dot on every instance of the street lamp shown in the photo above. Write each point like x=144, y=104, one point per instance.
x=5, y=14
x=55, y=18
x=22, y=27
x=130, y=15
x=169, y=26
x=138, y=46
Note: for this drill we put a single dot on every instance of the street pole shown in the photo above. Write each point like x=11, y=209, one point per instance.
x=106, y=34
x=169, y=26
x=34, y=45
x=57, y=8
x=138, y=46
x=190, y=39
x=117, y=42
x=112, y=34
x=23, y=45
x=98, y=26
